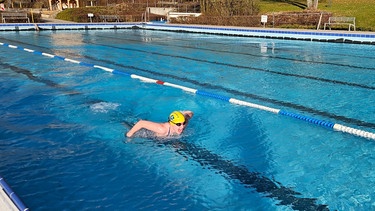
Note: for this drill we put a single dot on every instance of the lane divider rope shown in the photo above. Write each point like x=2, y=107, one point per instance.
x=323, y=123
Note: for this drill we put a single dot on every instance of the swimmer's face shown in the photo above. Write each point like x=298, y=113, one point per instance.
x=179, y=127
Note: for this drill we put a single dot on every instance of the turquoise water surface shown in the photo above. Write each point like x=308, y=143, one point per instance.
x=62, y=124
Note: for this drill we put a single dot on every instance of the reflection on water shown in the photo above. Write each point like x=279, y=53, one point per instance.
x=64, y=39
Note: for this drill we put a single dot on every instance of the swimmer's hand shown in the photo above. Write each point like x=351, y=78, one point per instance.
x=128, y=134
x=129, y=127
x=128, y=139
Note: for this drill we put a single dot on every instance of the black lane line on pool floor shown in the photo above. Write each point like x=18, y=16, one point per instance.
x=246, y=54
x=225, y=64
x=230, y=171
x=65, y=89
x=244, y=67
x=235, y=92
x=255, y=180
x=32, y=77
x=255, y=44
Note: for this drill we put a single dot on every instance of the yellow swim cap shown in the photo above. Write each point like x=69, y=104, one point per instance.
x=176, y=117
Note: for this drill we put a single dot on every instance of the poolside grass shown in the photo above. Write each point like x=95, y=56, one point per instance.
x=362, y=10
x=267, y=6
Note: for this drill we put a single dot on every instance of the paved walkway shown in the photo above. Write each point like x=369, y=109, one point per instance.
x=6, y=203
x=53, y=20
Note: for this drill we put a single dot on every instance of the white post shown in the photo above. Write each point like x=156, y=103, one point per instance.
x=90, y=15
x=263, y=20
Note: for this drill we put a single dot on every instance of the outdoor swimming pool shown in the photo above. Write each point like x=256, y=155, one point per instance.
x=62, y=134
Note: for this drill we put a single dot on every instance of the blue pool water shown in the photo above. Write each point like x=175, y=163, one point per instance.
x=62, y=134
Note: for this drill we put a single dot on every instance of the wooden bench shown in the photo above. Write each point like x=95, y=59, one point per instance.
x=109, y=18
x=14, y=16
x=340, y=21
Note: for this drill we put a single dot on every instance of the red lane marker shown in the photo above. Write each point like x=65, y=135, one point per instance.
x=160, y=82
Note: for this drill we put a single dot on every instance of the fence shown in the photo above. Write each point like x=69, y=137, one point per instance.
x=304, y=20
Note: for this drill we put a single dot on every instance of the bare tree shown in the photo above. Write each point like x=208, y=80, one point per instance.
x=229, y=7
x=312, y=4
x=309, y=4
x=316, y=4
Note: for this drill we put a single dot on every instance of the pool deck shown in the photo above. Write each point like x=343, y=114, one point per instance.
x=9, y=200
x=258, y=32
x=6, y=203
x=273, y=33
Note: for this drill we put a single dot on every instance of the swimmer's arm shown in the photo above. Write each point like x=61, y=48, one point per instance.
x=188, y=114
x=155, y=127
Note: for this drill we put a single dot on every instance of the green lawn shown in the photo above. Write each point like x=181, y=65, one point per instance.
x=362, y=10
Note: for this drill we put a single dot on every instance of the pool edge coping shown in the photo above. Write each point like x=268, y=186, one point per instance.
x=354, y=37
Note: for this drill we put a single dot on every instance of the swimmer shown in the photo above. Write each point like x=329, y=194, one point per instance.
x=177, y=121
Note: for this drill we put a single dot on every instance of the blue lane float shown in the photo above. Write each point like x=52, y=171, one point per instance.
x=12, y=195
x=308, y=119
x=322, y=123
